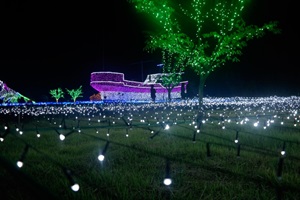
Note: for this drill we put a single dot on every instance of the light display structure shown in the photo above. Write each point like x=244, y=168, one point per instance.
x=8, y=95
x=113, y=86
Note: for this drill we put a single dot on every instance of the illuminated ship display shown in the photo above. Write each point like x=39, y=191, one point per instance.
x=113, y=86
x=8, y=95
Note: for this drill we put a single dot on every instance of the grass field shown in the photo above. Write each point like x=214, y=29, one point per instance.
x=229, y=157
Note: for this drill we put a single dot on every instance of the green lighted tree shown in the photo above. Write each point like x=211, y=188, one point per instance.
x=204, y=33
x=14, y=97
x=57, y=94
x=75, y=93
x=172, y=70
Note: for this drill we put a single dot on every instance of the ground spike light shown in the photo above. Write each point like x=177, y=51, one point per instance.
x=1, y=138
x=63, y=123
x=283, y=149
x=167, y=127
x=236, y=137
x=37, y=132
x=74, y=186
x=20, y=162
x=167, y=179
x=107, y=134
x=101, y=157
x=127, y=132
x=63, y=136
x=6, y=128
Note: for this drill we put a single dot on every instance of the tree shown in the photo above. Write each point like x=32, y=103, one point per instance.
x=205, y=34
x=75, y=93
x=57, y=94
x=172, y=70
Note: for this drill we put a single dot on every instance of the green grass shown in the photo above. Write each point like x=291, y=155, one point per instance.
x=135, y=166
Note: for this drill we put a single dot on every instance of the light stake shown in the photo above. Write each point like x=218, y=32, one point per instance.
x=283, y=150
x=236, y=137
x=74, y=186
x=101, y=157
x=22, y=157
x=167, y=180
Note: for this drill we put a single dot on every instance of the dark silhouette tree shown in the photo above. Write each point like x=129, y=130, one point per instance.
x=204, y=34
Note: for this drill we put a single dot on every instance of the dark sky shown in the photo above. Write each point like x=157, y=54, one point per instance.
x=49, y=44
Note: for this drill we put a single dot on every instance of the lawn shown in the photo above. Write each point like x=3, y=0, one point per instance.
x=242, y=151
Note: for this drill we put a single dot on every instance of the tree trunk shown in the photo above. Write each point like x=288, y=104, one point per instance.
x=202, y=80
x=169, y=94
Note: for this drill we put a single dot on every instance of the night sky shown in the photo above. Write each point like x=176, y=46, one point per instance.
x=49, y=44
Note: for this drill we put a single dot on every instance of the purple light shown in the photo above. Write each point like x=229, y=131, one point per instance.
x=112, y=85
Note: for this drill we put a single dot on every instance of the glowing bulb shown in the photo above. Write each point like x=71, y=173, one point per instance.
x=20, y=164
x=282, y=153
x=167, y=181
x=75, y=187
x=61, y=137
x=101, y=157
